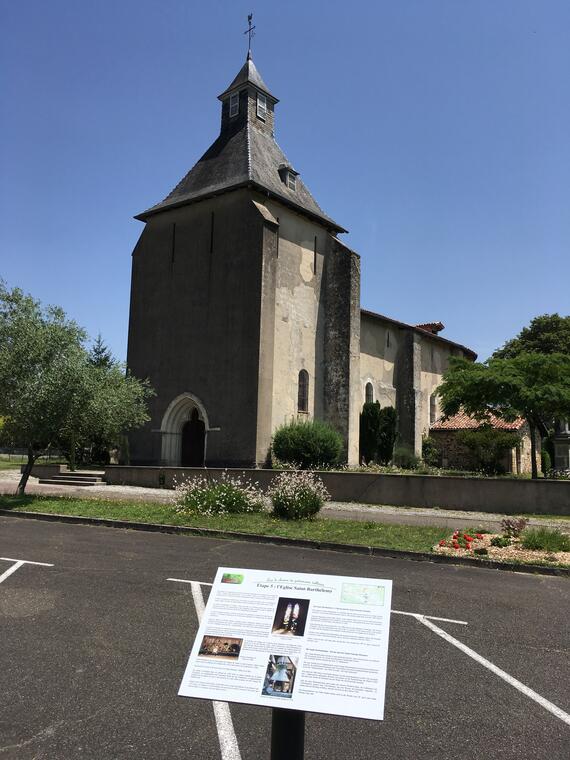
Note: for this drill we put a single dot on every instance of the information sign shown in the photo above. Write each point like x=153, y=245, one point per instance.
x=293, y=640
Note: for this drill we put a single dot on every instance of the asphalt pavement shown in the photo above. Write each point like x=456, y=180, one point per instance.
x=94, y=648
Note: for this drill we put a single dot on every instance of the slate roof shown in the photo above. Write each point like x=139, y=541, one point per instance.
x=248, y=74
x=462, y=421
x=243, y=156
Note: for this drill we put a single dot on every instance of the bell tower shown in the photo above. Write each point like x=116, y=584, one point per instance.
x=241, y=291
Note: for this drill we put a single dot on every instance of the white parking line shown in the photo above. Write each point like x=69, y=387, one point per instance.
x=552, y=708
x=17, y=564
x=394, y=612
x=224, y=725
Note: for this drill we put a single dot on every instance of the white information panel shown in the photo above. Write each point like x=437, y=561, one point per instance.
x=294, y=640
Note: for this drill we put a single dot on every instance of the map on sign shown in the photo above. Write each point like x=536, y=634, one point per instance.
x=357, y=593
x=293, y=640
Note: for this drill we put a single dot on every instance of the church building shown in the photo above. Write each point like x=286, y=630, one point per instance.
x=245, y=309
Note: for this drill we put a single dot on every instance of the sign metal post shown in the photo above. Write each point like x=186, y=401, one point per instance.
x=287, y=734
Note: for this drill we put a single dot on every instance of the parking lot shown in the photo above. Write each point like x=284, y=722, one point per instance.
x=95, y=639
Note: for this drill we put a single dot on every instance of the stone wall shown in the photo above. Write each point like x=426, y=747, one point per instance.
x=341, y=393
x=500, y=495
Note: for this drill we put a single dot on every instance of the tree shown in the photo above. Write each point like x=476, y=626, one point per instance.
x=532, y=386
x=488, y=446
x=100, y=355
x=546, y=334
x=377, y=432
x=50, y=394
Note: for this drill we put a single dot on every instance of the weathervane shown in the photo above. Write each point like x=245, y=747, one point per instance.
x=249, y=31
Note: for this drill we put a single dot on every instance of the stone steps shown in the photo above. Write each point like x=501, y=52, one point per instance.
x=76, y=478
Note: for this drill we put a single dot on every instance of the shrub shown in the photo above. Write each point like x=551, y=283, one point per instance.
x=369, y=431
x=488, y=447
x=229, y=495
x=387, y=434
x=430, y=451
x=377, y=433
x=546, y=539
x=513, y=527
x=297, y=495
x=404, y=457
x=501, y=541
x=545, y=462
x=307, y=444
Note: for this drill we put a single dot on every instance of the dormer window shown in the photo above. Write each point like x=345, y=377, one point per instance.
x=234, y=104
x=288, y=176
x=261, y=106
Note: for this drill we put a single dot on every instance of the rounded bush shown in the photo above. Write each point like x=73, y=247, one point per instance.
x=307, y=444
x=297, y=495
x=227, y=496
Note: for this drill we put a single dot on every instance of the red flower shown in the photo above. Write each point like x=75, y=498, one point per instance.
x=442, y=542
x=467, y=537
x=455, y=545
x=479, y=536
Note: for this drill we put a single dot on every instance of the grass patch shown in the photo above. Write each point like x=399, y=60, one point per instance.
x=544, y=539
x=9, y=464
x=404, y=537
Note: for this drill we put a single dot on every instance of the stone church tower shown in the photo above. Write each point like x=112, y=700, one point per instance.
x=245, y=306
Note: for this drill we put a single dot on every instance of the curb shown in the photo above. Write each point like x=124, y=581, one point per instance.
x=370, y=551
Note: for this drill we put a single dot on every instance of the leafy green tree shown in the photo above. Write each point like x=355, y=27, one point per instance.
x=488, y=447
x=532, y=386
x=50, y=394
x=546, y=334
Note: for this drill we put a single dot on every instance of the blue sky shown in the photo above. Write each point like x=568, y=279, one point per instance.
x=435, y=131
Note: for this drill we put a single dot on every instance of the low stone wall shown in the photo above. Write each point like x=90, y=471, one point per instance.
x=46, y=470
x=503, y=495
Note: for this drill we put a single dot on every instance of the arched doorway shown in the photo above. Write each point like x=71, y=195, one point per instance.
x=184, y=431
x=192, y=447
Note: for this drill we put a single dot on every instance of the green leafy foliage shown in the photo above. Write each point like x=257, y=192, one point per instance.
x=532, y=386
x=546, y=334
x=404, y=457
x=51, y=395
x=488, y=447
x=431, y=453
x=545, y=539
x=377, y=433
x=501, y=541
x=307, y=445
x=297, y=495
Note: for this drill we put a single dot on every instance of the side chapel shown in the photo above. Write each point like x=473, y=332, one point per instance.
x=245, y=309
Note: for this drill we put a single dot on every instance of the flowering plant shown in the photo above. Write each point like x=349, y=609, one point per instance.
x=297, y=495
x=228, y=495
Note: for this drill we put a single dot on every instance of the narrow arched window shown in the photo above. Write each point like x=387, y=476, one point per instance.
x=432, y=408
x=303, y=396
x=369, y=393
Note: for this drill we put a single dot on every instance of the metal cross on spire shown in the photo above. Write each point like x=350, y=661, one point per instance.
x=250, y=32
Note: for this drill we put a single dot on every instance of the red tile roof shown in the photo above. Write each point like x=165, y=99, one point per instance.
x=462, y=421
x=431, y=327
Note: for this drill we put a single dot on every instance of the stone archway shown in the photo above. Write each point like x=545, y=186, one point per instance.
x=184, y=431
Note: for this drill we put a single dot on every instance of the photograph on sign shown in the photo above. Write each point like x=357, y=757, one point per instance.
x=301, y=641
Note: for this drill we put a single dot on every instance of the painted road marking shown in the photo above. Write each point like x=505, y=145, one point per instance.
x=552, y=708
x=224, y=725
x=17, y=564
x=394, y=612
